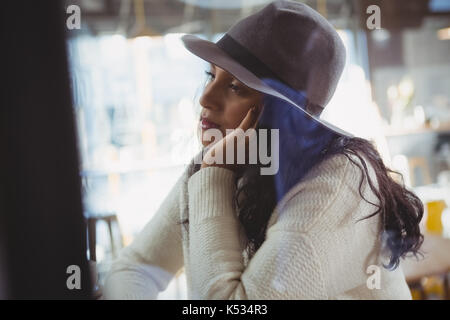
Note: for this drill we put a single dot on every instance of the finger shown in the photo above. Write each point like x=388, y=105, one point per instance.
x=249, y=120
x=258, y=113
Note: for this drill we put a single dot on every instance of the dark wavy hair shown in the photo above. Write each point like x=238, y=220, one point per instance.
x=401, y=210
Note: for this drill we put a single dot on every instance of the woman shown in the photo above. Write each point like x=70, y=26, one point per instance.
x=319, y=225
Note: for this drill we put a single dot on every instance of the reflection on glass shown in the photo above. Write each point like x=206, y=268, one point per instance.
x=136, y=118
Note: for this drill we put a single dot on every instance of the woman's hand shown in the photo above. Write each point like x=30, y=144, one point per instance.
x=217, y=150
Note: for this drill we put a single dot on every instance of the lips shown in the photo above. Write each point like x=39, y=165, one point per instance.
x=207, y=124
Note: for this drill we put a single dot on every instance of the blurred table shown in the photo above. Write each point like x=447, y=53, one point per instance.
x=431, y=268
x=436, y=260
x=436, y=247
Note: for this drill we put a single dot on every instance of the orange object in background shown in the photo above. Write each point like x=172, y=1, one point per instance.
x=433, y=287
x=434, y=216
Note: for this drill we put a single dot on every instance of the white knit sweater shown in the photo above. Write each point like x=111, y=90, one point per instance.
x=314, y=248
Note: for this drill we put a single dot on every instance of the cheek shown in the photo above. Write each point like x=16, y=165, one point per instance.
x=234, y=116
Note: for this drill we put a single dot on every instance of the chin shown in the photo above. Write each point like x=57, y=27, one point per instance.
x=206, y=143
x=200, y=139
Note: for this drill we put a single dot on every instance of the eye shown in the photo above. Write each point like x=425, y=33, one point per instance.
x=210, y=75
x=235, y=88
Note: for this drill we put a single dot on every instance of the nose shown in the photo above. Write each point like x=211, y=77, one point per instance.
x=210, y=98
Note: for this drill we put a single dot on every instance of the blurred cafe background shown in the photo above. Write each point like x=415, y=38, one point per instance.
x=135, y=93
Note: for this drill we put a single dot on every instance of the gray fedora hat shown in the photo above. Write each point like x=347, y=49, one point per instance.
x=287, y=41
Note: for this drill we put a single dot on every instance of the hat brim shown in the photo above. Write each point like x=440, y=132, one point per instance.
x=210, y=52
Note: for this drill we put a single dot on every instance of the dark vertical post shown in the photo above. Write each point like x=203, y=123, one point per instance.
x=40, y=188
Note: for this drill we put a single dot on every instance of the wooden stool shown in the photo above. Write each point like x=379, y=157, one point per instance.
x=112, y=223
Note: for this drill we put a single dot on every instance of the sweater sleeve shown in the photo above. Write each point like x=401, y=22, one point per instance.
x=146, y=266
x=290, y=262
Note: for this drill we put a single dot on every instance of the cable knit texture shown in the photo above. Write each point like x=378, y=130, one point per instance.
x=314, y=249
